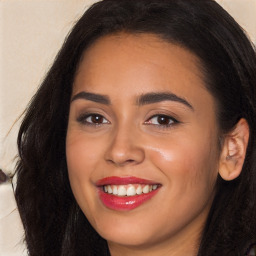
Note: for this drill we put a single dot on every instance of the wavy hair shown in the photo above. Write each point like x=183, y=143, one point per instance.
x=54, y=224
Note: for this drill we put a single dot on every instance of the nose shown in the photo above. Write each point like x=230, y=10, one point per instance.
x=125, y=148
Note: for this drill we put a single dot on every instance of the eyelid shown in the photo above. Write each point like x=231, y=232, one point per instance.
x=171, y=118
x=82, y=119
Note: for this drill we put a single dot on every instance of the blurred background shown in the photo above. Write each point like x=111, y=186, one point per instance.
x=31, y=33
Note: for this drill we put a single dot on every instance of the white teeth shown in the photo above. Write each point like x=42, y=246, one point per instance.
x=122, y=191
x=129, y=190
x=145, y=190
x=115, y=192
x=139, y=190
x=154, y=187
x=109, y=189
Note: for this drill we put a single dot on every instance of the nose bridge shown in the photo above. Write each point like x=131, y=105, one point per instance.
x=125, y=147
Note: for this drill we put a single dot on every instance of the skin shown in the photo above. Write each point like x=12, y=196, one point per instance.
x=129, y=141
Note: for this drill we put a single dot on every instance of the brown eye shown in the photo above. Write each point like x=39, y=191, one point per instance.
x=162, y=120
x=93, y=119
x=96, y=119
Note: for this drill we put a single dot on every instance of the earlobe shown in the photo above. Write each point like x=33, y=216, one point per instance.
x=234, y=151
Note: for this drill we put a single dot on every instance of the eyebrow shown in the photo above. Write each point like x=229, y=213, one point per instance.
x=144, y=99
x=150, y=98
x=103, y=99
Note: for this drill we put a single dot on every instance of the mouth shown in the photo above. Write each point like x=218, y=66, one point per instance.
x=125, y=193
x=129, y=190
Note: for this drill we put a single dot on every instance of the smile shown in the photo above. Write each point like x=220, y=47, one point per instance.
x=125, y=193
x=129, y=190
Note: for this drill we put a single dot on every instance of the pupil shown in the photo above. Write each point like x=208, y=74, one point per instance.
x=163, y=120
x=96, y=119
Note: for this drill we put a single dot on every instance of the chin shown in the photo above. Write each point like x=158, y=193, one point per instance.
x=130, y=238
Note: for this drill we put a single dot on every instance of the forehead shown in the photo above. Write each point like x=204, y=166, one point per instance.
x=150, y=48
x=126, y=64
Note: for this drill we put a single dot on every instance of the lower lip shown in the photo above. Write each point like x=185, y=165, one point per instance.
x=125, y=203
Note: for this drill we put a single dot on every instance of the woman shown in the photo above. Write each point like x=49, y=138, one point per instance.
x=141, y=139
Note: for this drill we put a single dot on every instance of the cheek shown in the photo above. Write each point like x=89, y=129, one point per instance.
x=190, y=175
x=187, y=163
x=82, y=156
x=82, y=153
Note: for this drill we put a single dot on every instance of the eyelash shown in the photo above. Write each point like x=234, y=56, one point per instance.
x=165, y=118
x=83, y=119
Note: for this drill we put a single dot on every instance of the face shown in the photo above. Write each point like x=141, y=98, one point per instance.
x=142, y=142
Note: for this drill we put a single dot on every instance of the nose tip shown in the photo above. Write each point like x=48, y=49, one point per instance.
x=125, y=151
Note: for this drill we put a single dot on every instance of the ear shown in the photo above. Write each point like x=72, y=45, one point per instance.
x=234, y=151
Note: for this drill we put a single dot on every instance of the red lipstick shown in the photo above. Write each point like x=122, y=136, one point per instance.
x=115, y=180
x=125, y=203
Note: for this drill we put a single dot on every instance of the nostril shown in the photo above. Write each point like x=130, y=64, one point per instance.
x=129, y=161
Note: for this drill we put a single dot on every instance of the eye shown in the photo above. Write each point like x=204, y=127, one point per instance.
x=162, y=120
x=92, y=119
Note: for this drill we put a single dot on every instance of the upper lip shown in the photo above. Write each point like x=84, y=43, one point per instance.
x=115, y=180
